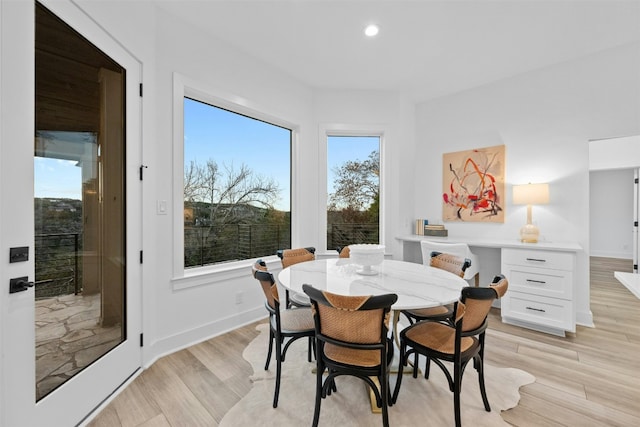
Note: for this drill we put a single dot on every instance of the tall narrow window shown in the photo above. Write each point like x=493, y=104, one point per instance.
x=353, y=185
x=237, y=180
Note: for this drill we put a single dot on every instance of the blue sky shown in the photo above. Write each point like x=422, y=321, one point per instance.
x=225, y=137
x=239, y=140
x=56, y=178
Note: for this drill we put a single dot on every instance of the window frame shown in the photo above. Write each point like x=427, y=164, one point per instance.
x=185, y=87
x=341, y=129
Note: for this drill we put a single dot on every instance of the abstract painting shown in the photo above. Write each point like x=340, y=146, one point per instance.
x=473, y=185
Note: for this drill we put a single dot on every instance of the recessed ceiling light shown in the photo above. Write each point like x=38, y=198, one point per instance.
x=371, y=30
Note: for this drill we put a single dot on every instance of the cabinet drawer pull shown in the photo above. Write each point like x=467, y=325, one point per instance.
x=536, y=309
x=536, y=260
x=536, y=281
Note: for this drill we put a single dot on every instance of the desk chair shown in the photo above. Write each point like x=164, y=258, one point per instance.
x=351, y=339
x=460, y=249
x=458, y=343
x=452, y=264
x=290, y=257
x=285, y=326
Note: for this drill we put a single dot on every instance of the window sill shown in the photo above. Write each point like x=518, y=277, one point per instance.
x=210, y=275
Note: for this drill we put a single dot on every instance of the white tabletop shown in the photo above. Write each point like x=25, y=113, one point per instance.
x=416, y=285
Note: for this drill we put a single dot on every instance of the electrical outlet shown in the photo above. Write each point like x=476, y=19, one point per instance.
x=239, y=297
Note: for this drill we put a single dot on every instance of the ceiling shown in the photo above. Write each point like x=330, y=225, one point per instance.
x=425, y=48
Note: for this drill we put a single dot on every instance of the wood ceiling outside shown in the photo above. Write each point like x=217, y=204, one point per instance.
x=66, y=78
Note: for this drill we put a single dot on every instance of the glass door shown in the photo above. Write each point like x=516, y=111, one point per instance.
x=76, y=334
x=79, y=203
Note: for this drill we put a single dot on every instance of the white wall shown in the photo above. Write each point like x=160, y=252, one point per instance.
x=611, y=208
x=545, y=118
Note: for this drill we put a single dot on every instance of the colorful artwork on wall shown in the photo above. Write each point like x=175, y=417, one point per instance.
x=473, y=185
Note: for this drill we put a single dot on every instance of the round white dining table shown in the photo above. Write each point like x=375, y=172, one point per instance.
x=417, y=285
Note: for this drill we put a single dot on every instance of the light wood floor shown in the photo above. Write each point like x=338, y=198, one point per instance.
x=590, y=378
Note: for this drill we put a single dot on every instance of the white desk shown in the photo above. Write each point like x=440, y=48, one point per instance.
x=416, y=285
x=541, y=276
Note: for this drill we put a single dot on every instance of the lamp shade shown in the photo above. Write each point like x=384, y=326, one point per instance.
x=531, y=194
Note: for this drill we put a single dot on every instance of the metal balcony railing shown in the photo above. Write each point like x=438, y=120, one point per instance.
x=207, y=245
x=59, y=270
x=58, y=267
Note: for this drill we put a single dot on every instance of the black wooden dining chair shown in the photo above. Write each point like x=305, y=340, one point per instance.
x=457, y=344
x=285, y=326
x=351, y=339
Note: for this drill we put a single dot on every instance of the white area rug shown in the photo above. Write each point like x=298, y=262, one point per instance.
x=420, y=401
x=630, y=280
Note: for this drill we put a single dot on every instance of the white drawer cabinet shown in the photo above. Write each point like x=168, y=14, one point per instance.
x=541, y=289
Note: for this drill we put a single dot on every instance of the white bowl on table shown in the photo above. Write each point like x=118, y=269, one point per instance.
x=366, y=255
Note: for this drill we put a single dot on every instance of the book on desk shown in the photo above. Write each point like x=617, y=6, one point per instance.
x=423, y=228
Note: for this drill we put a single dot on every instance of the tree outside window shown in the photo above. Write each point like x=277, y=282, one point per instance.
x=236, y=186
x=353, y=205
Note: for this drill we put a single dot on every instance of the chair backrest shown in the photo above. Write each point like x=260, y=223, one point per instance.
x=269, y=287
x=449, y=262
x=345, y=252
x=427, y=246
x=478, y=300
x=294, y=256
x=351, y=319
x=460, y=249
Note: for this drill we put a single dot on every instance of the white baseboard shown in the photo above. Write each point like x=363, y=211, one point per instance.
x=585, y=319
x=194, y=336
x=610, y=254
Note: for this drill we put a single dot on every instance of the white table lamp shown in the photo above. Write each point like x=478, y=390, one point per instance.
x=530, y=194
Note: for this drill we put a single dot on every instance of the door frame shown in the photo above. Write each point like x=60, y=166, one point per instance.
x=78, y=397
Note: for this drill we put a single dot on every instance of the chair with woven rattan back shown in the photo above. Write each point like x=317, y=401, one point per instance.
x=344, y=252
x=285, y=326
x=451, y=263
x=461, y=250
x=457, y=344
x=293, y=256
x=351, y=339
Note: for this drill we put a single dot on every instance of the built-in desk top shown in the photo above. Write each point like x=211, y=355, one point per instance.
x=496, y=243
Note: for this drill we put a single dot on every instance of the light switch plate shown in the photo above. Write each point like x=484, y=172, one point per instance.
x=161, y=207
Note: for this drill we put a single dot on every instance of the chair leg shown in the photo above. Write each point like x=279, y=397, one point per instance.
x=457, y=384
x=316, y=411
x=384, y=395
x=427, y=368
x=271, y=339
x=477, y=279
x=278, y=370
x=483, y=391
x=401, y=364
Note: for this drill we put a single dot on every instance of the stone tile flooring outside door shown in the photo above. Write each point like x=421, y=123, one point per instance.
x=69, y=337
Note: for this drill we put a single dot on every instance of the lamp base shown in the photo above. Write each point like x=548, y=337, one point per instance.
x=529, y=234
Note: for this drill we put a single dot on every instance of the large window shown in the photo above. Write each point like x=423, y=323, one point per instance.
x=353, y=185
x=237, y=179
